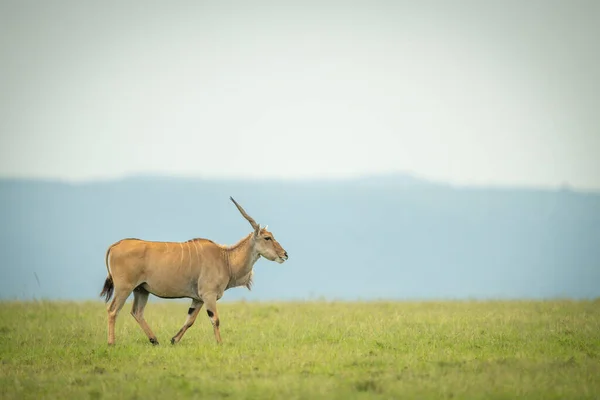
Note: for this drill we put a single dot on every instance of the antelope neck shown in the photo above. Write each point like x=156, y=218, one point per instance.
x=240, y=258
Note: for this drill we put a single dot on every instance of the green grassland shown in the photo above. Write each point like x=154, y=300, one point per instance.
x=442, y=350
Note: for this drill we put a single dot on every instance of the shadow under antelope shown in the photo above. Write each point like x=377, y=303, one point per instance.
x=198, y=269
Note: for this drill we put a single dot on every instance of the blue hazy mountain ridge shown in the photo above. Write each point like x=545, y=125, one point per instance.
x=380, y=237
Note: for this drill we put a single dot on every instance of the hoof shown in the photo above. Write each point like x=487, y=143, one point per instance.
x=172, y=340
x=154, y=341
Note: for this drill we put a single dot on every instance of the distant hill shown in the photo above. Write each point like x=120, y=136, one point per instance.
x=392, y=237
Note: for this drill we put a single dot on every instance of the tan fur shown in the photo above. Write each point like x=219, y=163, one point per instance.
x=198, y=269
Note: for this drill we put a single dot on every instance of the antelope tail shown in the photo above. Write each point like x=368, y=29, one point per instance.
x=109, y=287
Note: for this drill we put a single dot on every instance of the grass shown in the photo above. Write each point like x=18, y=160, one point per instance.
x=438, y=350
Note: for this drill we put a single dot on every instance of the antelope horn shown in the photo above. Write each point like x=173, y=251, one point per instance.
x=245, y=215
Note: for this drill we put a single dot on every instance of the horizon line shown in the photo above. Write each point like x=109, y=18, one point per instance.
x=406, y=177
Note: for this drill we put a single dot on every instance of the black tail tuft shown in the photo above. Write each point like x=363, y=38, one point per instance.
x=107, y=290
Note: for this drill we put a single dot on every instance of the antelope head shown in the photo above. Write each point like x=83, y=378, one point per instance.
x=264, y=242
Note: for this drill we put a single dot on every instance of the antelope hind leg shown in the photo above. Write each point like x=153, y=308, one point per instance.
x=113, y=310
x=140, y=299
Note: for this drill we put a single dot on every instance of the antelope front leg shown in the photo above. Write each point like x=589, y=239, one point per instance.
x=191, y=317
x=211, y=310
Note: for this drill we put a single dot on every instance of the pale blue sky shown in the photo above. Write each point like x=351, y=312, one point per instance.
x=471, y=92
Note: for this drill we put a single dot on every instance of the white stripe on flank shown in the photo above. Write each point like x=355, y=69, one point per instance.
x=197, y=255
x=181, y=261
x=189, y=255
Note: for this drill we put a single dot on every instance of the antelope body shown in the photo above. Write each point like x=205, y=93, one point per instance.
x=198, y=269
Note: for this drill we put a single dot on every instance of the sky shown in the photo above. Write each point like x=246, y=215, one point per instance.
x=468, y=92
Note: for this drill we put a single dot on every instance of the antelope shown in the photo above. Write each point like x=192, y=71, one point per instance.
x=199, y=269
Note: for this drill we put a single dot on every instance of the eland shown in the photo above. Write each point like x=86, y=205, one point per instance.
x=199, y=269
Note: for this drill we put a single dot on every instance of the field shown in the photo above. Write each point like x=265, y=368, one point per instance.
x=438, y=350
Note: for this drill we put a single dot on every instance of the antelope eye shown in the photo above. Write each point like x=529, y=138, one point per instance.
x=267, y=238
